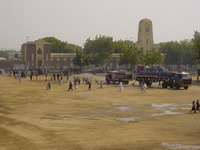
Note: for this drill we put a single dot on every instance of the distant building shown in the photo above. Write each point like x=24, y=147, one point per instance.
x=145, y=36
x=37, y=55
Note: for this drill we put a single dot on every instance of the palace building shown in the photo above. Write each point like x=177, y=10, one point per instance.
x=37, y=54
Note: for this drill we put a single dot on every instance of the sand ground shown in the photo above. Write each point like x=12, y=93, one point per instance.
x=34, y=118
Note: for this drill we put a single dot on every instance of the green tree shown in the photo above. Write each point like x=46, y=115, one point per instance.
x=56, y=45
x=100, y=49
x=131, y=56
x=196, y=46
x=81, y=59
x=172, y=53
x=153, y=57
x=178, y=52
x=187, y=52
x=120, y=46
x=59, y=46
x=71, y=48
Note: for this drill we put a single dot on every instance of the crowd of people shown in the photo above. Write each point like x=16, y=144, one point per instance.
x=77, y=81
x=58, y=77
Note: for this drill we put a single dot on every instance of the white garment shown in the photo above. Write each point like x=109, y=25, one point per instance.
x=121, y=86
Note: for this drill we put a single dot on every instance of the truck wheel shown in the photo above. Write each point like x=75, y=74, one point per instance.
x=164, y=85
x=185, y=87
x=177, y=86
x=149, y=83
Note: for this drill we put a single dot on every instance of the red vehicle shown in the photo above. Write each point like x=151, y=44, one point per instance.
x=117, y=76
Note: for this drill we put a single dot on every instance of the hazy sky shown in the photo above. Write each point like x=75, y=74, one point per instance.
x=76, y=20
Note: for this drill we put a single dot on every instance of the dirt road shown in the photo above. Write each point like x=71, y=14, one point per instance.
x=34, y=118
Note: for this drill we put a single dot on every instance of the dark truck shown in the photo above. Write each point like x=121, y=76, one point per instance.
x=171, y=79
x=117, y=76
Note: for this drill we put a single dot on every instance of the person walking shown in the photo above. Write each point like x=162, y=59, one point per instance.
x=70, y=86
x=121, y=86
x=31, y=76
x=60, y=82
x=54, y=76
x=48, y=85
x=143, y=87
x=101, y=85
x=89, y=86
x=193, y=107
x=197, y=105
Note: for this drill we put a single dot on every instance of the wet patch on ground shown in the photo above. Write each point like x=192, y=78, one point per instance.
x=180, y=146
x=160, y=109
x=130, y=119
x=169, y=109
x=167, y=112
x=122, y=108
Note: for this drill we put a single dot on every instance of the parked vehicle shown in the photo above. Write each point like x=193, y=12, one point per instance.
x=171, y=79
x=117, y=76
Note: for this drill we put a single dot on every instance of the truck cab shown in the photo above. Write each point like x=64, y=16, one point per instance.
x=181, y=79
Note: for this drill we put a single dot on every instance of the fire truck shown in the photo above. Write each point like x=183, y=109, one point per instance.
x=171, y=79
x=118, y=76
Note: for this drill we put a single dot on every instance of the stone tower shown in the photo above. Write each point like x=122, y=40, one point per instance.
x=145, y=35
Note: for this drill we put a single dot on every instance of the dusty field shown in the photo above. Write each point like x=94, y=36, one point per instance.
x=33, y=118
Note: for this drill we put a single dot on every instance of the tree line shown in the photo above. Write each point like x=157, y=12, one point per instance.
x=100, y=51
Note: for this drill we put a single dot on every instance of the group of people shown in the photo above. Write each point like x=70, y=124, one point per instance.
x=76, y=86
x=195, y=106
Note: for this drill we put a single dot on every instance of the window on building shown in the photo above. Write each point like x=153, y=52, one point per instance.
x=39, y=51
x=147, y=41
x=39, y=63
x=47, y=58
x=58, y=59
